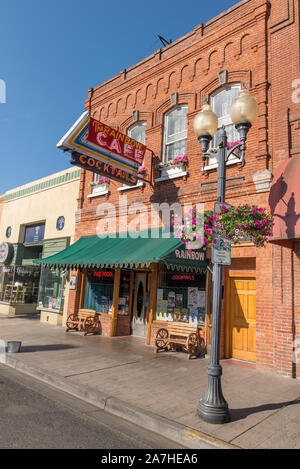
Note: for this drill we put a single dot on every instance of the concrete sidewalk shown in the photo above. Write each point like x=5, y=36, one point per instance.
x=159, y=391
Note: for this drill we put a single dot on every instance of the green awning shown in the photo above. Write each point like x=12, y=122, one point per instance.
x=119, y=251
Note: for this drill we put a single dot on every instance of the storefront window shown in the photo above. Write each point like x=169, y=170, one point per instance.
x=51, y=292
x=181, y=296
x=124, y=293
x=99, y=290
x=19, y=284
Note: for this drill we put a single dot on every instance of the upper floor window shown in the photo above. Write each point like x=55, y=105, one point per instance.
x=138, y=132
x=175, y=133
x=221, y=102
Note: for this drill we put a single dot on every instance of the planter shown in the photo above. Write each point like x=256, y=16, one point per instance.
x=14, y=346
x=101, y=188
x=172, y=170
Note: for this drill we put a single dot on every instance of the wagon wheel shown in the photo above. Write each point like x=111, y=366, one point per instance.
x=72, y=322
x=89, y=325
x=161, y=340
x=193, y=345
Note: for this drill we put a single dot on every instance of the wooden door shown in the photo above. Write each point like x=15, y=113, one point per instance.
x=241, y=314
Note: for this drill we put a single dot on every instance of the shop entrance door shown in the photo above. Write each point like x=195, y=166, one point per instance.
x=241, y=315
x=139, y=320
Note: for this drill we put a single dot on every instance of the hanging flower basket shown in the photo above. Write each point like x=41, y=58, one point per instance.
x=237, y=224
x=232, y=144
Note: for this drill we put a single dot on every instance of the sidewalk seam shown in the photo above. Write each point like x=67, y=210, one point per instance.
x=101, y=369
x=186, y=436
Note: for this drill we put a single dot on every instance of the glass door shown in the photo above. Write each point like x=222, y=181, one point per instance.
x=139, y=320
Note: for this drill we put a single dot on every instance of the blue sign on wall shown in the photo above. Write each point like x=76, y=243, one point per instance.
x=34, y=233
x=60, y=223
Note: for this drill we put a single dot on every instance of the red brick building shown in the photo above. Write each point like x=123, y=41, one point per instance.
x=255, y=42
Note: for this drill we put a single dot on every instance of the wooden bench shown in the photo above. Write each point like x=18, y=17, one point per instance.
x=179, y=334
x=86, y=320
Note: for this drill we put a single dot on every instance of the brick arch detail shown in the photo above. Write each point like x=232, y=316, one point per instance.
x=242, y=76
x=143, y=116
x=185, y=70
x=197, y=66
x=148, y=92
x=188, y=98
x=159, y=84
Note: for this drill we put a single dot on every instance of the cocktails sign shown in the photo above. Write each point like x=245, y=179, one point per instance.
x=104, y=169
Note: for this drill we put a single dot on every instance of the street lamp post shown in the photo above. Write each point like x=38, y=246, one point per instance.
x=213, y=407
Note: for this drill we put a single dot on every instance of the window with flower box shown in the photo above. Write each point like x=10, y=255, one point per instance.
x=174, y=156
x=175, y=133
x=100, y=185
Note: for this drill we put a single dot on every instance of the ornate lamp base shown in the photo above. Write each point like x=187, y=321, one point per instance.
x=212, y=407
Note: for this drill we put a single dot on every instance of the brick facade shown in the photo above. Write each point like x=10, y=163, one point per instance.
x=256, y=42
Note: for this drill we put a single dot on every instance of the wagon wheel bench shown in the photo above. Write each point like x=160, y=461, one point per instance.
x=86, y=320
x=178, y=334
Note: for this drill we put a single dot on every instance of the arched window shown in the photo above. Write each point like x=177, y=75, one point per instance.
x=138, y=132
x=221, y=102
x=175, y=133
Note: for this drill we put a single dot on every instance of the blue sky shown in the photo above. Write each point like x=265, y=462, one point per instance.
x=51, y=53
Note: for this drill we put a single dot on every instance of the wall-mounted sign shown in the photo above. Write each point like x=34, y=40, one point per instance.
x=107, y=138
x=8, y=232
x=72, y=285
x=6, y=253
x=60, y=223
x=104, y=169
x=76, y=140
x=190, y=260
x=221, y=251
x=34, y=233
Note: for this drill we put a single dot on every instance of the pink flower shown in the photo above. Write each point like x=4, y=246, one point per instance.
x=232, y=144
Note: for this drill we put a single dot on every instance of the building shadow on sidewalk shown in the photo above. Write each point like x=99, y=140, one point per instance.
x=29, y=316
x=45, y=348
x=239, y=414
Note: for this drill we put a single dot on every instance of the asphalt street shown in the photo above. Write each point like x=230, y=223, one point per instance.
x=37, y=416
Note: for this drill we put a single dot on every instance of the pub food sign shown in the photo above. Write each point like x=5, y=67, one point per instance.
x=119, y=154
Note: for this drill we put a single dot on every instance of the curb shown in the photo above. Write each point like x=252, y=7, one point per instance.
x=188, y=437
